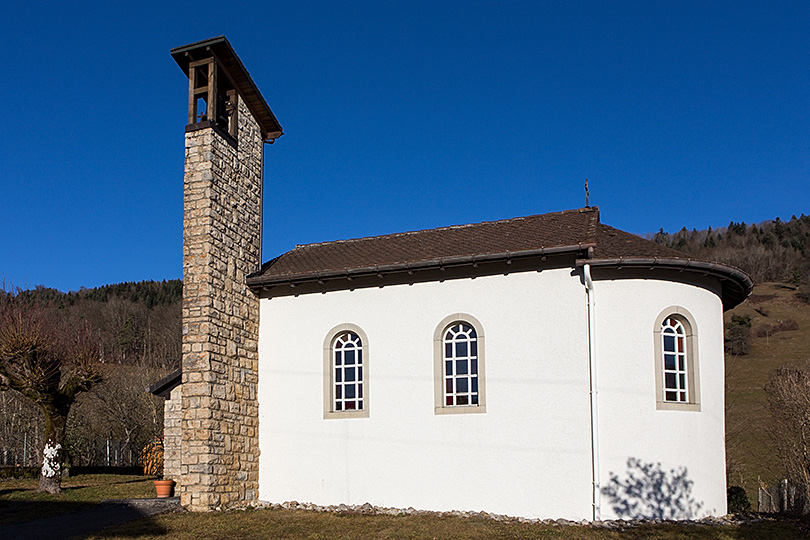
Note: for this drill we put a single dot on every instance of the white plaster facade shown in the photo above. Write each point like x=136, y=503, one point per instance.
x=530, y=453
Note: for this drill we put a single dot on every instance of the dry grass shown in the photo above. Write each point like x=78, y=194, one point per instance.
x=20, y=501
x=748, y=447
x=300, y=525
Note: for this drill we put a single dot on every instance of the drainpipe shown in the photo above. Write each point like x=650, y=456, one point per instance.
x=597, y=499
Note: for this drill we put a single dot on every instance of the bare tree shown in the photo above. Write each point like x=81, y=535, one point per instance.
x=788, y=393
x=49, y=362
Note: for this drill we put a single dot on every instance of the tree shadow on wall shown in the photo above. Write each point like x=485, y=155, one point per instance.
x=650, y=492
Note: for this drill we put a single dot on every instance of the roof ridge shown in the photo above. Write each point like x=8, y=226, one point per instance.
x=451, y=227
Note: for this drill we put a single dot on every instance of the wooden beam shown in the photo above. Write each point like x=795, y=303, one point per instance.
x=211, y=112
x=192, y=99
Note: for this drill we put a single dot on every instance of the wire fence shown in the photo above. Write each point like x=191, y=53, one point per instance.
x=24, y=450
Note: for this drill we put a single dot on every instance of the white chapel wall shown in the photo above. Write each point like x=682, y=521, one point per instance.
x=630, y=425
x=528, y=455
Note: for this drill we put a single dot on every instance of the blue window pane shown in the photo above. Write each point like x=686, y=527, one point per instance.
x=680, y=364
x=338, y=375
x=348, y=374
x=359, y=373
x=338, y=358
x=475, y=384
x=669, y=361
x=359, y=356
x=474, y=400
x=338, y=406
x=350, y=391
x=462, y=385
x=461, y=367
x=357, y=341
x=474, y=366
x=461, y=349
x=669, y=343
x=360, y=405
x=472, y=332
x=448, y=350
x=448, y=367
x=474, y=348
x=349, y=357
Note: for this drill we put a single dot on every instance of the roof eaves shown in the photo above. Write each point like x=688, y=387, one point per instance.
x=164, y=386
x=742, y=287
x=260, y=281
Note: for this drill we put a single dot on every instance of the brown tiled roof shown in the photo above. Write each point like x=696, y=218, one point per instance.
x=560, y=229
x=613, y=243
x=576, y=232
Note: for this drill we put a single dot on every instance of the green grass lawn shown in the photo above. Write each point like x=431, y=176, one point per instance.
x=19, y=500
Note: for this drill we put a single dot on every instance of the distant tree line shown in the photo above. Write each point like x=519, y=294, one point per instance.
x=149, y=293
x=769, y=251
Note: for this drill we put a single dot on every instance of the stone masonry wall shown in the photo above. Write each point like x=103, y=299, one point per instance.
x=221, y=245
x=172, y=434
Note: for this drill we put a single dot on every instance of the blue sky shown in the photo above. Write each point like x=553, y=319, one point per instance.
x=398, y=116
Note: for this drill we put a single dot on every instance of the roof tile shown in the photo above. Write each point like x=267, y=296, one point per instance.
x=567, y=228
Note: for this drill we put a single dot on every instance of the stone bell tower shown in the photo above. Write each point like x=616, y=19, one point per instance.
x=228, y=124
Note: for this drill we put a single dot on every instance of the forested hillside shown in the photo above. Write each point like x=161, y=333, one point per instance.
x=769, y=251
x=137, y=328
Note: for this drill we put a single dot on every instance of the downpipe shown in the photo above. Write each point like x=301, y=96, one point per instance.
x=597, y=490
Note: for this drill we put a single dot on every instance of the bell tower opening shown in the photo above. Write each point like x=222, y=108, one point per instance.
x=211, y=97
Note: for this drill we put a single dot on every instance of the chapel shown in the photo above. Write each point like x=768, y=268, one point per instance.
x=534, y=366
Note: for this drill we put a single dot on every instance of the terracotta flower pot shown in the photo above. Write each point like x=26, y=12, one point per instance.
x=164, y=488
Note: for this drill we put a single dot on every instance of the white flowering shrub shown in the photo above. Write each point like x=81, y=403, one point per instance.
x=51, y=467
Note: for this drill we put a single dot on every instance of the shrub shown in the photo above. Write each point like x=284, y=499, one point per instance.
x=152, y=458
x=785, y=325
x=738, y=334
x=737, y=500
x=738, y=339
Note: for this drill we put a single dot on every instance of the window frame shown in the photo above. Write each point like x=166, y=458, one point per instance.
x=687, y=321
x=438, y=366
x=328, y=373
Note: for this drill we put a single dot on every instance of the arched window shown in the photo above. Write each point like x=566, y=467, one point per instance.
x=345, y=377
x=676, y=362
x=347, y=353
x=459, y=369
x=673, y=342
x=460, y=365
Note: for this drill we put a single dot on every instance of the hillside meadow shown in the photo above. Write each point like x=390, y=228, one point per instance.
x=780, y=336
